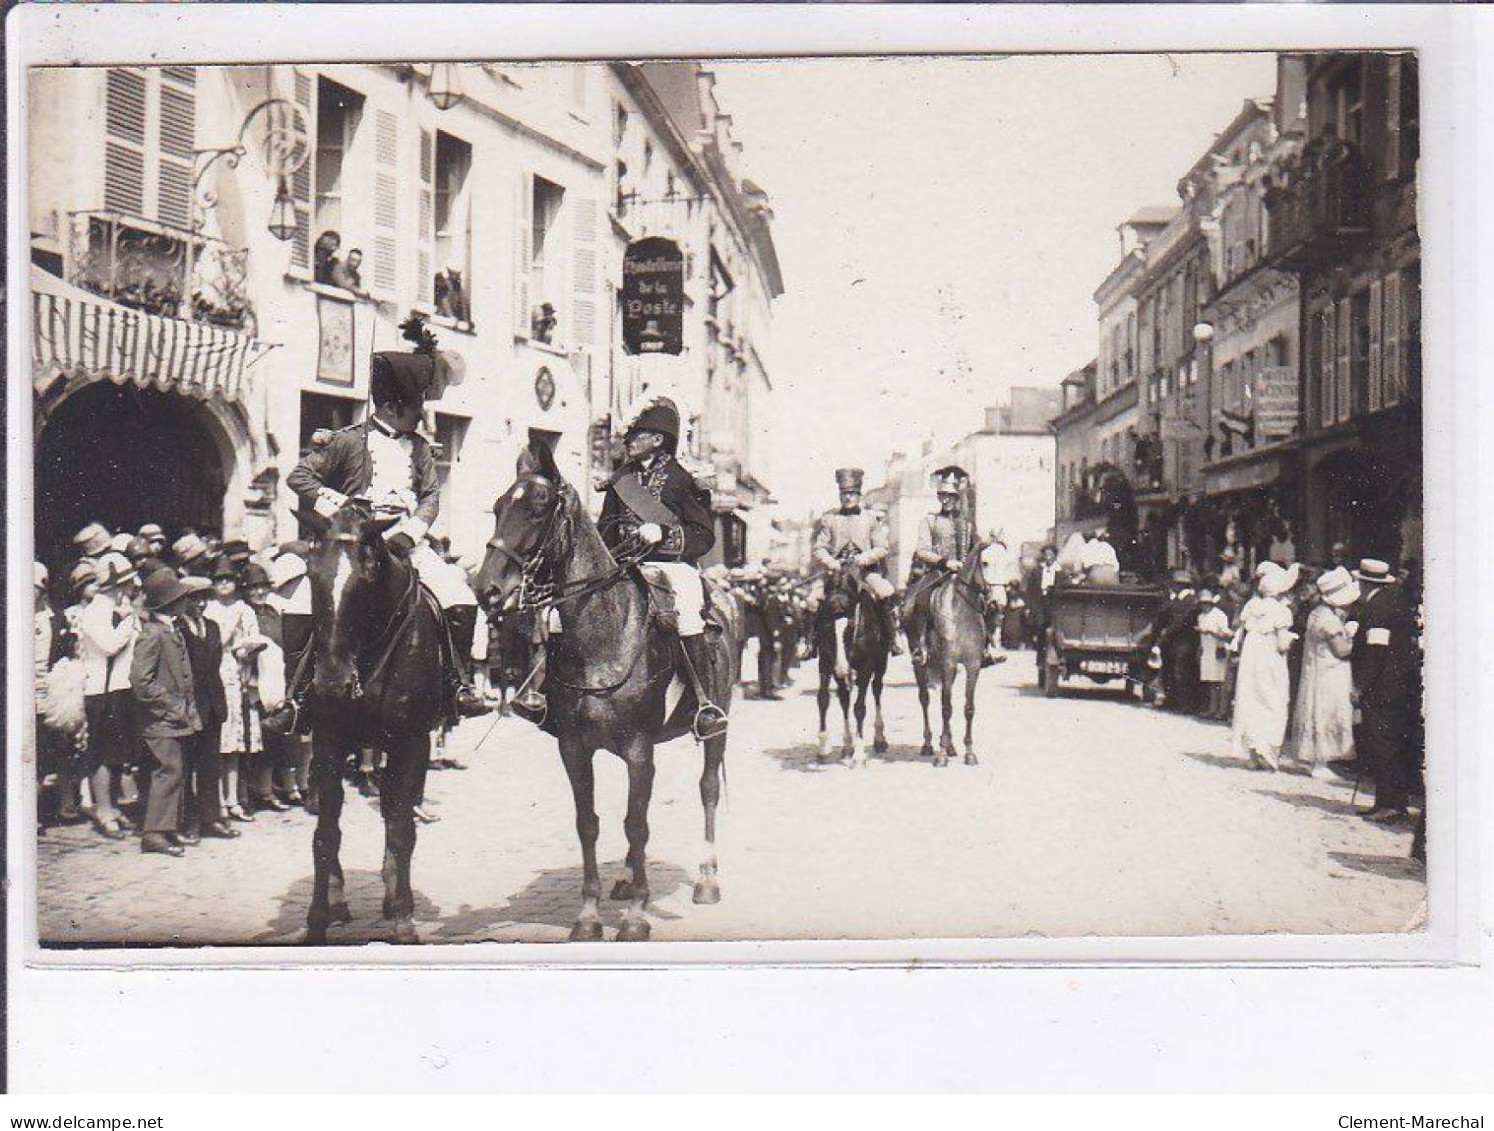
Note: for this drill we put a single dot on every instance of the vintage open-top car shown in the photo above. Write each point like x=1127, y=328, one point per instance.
x=1102, y=631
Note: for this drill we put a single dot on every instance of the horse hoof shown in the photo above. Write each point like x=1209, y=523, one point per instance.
x=586, y=930
x=971, y=760
x=339, y=913
x=634, y=930
x=405, y=933
x=707, y=891
x=940, y=760
x=926, y=752
x=880, y=746
x=622, y=890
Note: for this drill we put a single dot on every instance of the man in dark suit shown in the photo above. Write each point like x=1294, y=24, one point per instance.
x=163, y=687
x=204, y=644
x=1177, y=639
x=1386, y=663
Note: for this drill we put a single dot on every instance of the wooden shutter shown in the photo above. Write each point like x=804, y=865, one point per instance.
x=304, y=177
x=1342, y=384
x=1394, y=375
x=1393, y=118
x=178, y=136
x=583, y=273
x=124, y=144
x=1376, y=371
x=386, y=201
x=1327, y=365
x=425, y=255
x=523, y=255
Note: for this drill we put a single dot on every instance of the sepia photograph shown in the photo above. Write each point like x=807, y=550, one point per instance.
x=724, y=500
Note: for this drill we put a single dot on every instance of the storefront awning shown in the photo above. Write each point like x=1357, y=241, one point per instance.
x=1251, y=471
x=78, y=335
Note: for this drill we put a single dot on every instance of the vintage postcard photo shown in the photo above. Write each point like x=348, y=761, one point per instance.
x=698, y=500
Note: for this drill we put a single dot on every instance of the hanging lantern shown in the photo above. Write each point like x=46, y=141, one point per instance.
x=283, y=215
x=446, y=85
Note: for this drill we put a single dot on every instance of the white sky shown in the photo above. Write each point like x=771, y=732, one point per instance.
x=1000, y=180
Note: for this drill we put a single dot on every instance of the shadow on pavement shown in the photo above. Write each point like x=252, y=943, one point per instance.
x=365, y=895
x=552, y=899
x=804, y=757
x=1219, y=761
x=1332, y=805
x=1390, y=867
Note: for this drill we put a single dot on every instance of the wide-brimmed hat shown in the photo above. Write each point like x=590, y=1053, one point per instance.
x=115, y=570
x=83, y=574
x=1207, y=597
x=1374, y=571
x=188, y=548
x=224, y=567
x=287, y=568
x=254, y=576
x=849, y=478
x=298, y=548
x=163, y=588
x=195, y=584
x=138, y=549
x=93, y=539
x=1338, y=588
x=151, y=530
x=1182, y=577
x=1274, y=580
x=237, y=550
x=120, y=543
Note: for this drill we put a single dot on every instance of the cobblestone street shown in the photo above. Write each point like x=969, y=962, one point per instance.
x=1086, y=815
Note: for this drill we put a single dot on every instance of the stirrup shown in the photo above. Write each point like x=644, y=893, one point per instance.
x=709, y=722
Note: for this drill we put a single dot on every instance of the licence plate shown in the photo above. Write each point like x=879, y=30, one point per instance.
x=1104, y=667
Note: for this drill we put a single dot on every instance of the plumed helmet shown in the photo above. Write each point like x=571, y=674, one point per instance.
x=849, y=478
x=411, y=378
x=951, y=480
x=655, y=414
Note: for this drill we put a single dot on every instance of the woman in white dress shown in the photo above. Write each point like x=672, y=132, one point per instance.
x=1263, y=687
x=239, y=626
x=1323, y=724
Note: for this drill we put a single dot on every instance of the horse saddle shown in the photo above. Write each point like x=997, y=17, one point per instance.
x=663, y=601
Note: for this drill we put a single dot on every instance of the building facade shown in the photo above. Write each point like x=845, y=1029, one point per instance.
x=1342, y=219
x=1011, y=462
x=197, y=316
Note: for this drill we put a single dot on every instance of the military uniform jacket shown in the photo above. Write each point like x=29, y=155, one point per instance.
x=688, y=539
x=1386, y=659
x=861, y=532
x=346, y=467
x=942, y=538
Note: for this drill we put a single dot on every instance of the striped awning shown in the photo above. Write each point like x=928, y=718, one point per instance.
x=78, y=335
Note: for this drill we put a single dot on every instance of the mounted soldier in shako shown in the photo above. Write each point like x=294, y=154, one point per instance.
x=385, y=461
x=859, y=536
x=946, y=540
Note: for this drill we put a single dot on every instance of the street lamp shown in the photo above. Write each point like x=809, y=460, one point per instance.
x=283, y=213
x=1203, y=333
x=446, y=85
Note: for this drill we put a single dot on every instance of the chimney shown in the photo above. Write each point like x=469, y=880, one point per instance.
x=993, y=418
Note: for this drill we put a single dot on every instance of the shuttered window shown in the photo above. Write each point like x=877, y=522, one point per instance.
x=150, y=127
x=1343, y=385
x=304, y=177
x=523, y=252
x=1393, y=117
x=583, y=273
x=386, y=201
x=1394, y=377
x=427, y=211
x=1375, y=392
x=1327, y=363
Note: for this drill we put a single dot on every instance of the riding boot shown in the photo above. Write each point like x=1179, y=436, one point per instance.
x=710, y=720
x=465, y=701
x=888, y=609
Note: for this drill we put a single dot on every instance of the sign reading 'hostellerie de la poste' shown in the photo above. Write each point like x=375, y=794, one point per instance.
x=653, y=297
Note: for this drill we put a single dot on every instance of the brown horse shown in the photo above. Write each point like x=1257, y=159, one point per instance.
x=956, y=637
x=608, y=671
x=849, y=618
x=377, y=684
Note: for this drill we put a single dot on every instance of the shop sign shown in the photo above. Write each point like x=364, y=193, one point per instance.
x=653, y=297
x=336, y=362
x=544, y=389
x=1276, y=393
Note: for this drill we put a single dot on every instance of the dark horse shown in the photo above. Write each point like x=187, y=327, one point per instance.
x=377, y=683
x=955, y=638
x=608, y=671
x=849, y=616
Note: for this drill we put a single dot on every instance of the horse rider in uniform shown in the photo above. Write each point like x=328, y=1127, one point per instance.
x=861, y=536
x=945, y=542
x=386, y=461
x=655, y=513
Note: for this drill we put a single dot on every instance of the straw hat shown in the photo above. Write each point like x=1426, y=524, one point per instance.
x=1374, y=571
x=92, y=540
x=287, y=568
x=83, y=575
x=39, y=575
x=1338, y=588
x=115, y=570
x=188, y=548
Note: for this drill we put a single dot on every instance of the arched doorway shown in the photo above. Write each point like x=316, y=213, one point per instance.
x=125, y=456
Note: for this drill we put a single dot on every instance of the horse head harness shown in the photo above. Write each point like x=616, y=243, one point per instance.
x=383, y=647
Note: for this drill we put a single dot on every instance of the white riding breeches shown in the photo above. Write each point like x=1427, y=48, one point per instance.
x=879, y=586
x=689, y=597
x=447, y=581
